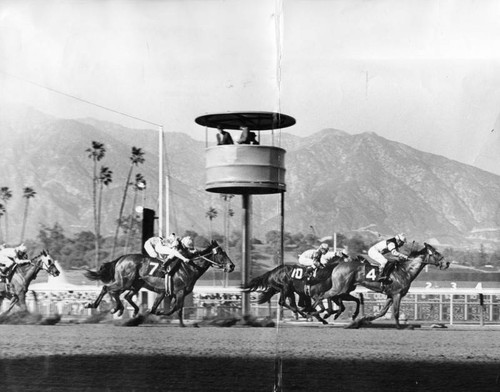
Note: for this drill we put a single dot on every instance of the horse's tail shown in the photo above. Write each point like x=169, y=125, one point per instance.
x=267, y=295
x=105, y=273
x=261, y=282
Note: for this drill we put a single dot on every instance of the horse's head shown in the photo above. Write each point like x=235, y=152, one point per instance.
x=220, y=257
x=46, y=263
x=434, y=257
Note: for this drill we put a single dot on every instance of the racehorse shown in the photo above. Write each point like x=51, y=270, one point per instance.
x=132, y=272
x=21, y=277
x=290, y=279
x=359, y=271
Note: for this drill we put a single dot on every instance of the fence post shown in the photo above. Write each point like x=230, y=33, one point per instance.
x=440, y=307
x=451, y=309
x=481, y=309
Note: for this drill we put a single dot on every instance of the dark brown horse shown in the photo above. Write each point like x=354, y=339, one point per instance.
x=21, y=277
x=130, y=273
x=347, y=276
x=290, y=279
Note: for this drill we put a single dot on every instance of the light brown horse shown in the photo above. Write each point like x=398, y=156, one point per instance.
x=347, y=276
x=129, y=273
x=21, y=277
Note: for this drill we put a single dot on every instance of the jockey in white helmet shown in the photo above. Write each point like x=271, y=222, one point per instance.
x=312, y=258
x=381, y=248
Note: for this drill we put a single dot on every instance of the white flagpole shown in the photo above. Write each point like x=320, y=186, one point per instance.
x=160, y=181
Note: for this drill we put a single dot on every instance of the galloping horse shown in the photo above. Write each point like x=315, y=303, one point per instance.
x=23, y=275
x=347, y=276
x=290, y=279
x=132, y=272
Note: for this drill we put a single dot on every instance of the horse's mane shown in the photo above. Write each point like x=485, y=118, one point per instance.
x=417, y=251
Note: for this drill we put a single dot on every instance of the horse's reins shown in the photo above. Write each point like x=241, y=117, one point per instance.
x=428, y=256
x=214, y=251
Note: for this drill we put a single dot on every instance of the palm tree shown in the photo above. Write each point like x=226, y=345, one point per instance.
x=211, y=214
x=2, y=212
x=28, y=193
x=96, y=153
x=5, y=195
x=139, y=186
x=105, y=178
x=136, y=157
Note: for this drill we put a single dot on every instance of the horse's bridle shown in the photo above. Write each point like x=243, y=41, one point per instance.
x=39, y=261
x=432, y=254
x=214, y=251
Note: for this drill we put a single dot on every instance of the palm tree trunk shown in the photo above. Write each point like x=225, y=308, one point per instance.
x=121, y=210
x=6, y=226
x=98, y=226
x=25, y=218
x=96, y=220
x=131, y=221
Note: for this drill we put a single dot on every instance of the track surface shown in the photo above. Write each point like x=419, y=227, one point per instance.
x=105, y=357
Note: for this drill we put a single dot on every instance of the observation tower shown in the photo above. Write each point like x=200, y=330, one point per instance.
x=246, y=168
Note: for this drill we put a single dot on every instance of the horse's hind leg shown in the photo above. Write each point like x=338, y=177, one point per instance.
x=352, y=298
x=118, y=303
x=95, y=304
x=128, y=297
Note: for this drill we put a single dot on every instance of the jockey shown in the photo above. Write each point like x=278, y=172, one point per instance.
x=164, y=249
x=167, y=251
x=391, y=245
x=312, y=258
x=330, y=256
x=12, y=256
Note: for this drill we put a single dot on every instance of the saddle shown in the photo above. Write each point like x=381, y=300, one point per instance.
x=367, y=259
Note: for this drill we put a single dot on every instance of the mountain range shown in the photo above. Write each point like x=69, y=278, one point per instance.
x=336, y=182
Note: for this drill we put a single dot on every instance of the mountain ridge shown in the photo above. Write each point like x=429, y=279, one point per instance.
x=335, y=182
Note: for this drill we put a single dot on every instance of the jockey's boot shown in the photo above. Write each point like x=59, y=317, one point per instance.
x=309, y=273
x=164, y=267
x=384, y=275
x=4, y=271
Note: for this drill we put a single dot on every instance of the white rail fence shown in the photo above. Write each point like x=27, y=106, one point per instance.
x=444, y=305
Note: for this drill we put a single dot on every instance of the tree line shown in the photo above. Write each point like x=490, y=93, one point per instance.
x=5, y=196
x=78, y=250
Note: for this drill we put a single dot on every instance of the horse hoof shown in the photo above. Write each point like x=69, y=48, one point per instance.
x=325, y=322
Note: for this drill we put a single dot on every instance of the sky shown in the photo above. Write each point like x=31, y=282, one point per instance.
x=424, y=73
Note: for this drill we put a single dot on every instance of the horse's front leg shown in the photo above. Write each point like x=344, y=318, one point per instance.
x=157, y=302
x=381, y=312
x=395, y=309
x=178, y=305
x=13, y=302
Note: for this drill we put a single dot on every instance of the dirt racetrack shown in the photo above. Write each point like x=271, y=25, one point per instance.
x=106, y=357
